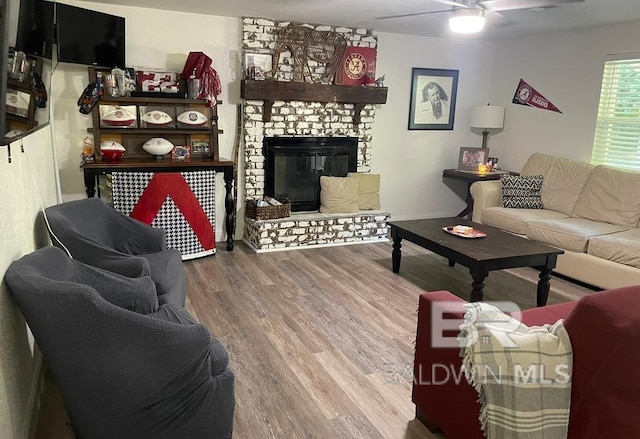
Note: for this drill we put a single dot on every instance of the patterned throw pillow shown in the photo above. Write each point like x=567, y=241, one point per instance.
x=521, y=192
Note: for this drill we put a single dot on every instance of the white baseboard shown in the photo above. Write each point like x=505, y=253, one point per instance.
x=35, y=399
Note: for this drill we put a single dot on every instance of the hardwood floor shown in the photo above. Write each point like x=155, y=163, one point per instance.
x=321, y=340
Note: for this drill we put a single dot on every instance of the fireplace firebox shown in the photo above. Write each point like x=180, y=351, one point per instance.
x=293, y=166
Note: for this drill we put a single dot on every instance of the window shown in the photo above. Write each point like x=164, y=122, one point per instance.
x=617, y=138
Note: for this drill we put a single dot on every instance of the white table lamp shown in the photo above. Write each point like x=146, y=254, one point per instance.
x=487, y=117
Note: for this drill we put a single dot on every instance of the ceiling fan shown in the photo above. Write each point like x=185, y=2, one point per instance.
x=472, y=12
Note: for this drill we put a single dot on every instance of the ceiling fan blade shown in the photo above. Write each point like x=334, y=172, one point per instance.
x=512, y=5
x=459, y=4
x=413, y=14
x=499, y=20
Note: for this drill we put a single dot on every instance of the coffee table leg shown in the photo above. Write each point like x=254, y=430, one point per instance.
x=477, y=286
x=452, y=263
x=543, y=287
x=395, y=255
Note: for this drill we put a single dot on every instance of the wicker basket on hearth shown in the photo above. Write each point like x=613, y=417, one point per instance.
x=252, y=210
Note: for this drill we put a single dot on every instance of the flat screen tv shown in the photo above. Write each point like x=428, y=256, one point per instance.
x=35, y=28
x=89, y=37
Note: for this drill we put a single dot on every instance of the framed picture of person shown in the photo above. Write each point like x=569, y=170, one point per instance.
x=471, y=158
x=433, y=99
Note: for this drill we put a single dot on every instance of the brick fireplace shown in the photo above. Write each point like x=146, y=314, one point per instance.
x=298, y=118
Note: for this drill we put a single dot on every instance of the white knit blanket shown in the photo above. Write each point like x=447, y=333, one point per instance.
x=522, y=374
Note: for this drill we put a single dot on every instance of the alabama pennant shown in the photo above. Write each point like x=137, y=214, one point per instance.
x=529, y=96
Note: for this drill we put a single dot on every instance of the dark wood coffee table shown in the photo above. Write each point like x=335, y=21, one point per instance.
x=497, y=251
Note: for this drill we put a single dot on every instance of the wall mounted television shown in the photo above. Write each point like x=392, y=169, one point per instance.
x=35, y=28
x=89, y=37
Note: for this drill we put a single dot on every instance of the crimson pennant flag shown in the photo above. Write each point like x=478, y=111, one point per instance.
x=529, y=96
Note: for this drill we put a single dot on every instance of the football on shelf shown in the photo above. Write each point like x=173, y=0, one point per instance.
x=118, y=118
x=157, y=146
x=192, y=117
x=111, y=151
x=156, y=117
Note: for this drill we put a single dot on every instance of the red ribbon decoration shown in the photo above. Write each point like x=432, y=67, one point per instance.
x=173, y=184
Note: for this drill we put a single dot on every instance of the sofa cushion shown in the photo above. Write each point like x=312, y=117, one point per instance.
x=538, y=164
x=521, y=191
x=338, y=194
x=621, y=247
x=515, y=220
x=564, y=180
x=571, y=234
x=611, y=195
x=368, y=190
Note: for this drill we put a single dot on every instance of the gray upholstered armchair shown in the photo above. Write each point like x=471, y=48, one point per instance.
x=125, y=366
x=98, y=235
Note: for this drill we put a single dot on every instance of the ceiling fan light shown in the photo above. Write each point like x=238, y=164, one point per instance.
x=467, y=21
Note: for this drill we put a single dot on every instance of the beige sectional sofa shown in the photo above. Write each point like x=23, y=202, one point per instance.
x=591, y=212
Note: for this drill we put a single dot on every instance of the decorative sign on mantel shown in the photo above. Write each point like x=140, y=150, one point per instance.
x=358, y=66
x=306, y=44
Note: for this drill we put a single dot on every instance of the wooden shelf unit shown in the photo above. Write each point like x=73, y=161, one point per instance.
x=132, y=138
x=15, y=121
x=138, y=160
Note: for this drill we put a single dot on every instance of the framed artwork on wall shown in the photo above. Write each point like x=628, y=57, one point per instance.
x=471, y=158
x=433, y=99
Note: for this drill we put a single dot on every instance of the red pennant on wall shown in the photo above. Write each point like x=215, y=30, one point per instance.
x=529, y=96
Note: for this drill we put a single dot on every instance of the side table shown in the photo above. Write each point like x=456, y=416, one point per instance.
x=471, y=177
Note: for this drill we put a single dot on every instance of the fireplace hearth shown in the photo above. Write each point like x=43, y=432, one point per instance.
x=294, y=165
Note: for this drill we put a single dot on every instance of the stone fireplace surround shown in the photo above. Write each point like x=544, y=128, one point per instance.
x=298, y=118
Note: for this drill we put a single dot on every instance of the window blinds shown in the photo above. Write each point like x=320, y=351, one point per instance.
x=617, y=138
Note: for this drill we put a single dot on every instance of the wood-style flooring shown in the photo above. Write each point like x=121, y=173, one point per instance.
x=321, y=340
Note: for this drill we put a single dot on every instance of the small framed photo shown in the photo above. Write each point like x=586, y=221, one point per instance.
x=200, y=147
x=471, y=158
x=492, y=163
x=433, y=99
x=181, y=153
x=257, y=65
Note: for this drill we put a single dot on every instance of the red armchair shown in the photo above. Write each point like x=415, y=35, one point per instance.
x=604, y=328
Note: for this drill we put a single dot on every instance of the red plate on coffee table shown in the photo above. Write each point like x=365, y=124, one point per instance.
x=476, y=233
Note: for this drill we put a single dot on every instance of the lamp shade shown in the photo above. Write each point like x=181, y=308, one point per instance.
x=467, y=21
x=487, y=116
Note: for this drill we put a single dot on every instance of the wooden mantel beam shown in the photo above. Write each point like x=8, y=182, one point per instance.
x=270, y=91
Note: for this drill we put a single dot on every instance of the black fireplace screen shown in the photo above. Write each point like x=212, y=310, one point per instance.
x=293, y=166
